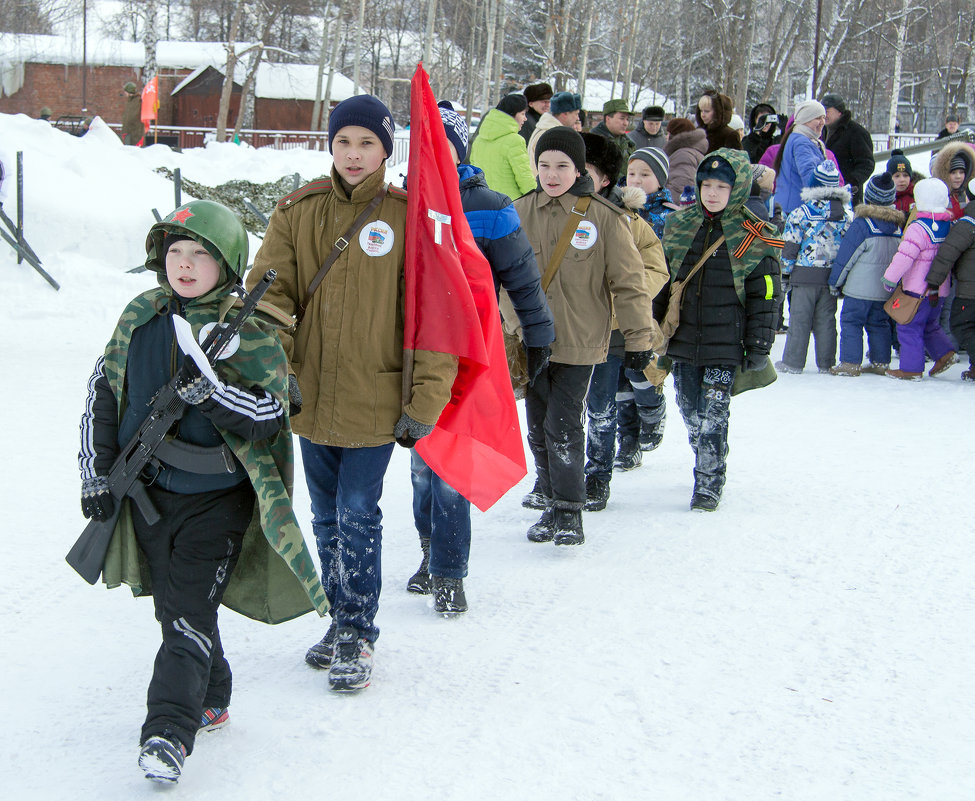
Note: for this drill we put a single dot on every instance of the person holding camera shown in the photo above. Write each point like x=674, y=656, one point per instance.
x=763, y=125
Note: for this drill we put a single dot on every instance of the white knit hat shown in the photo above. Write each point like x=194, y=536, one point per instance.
x=931, y=195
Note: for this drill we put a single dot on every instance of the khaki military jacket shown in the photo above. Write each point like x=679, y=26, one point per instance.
x=347, y=353
x=602, y=269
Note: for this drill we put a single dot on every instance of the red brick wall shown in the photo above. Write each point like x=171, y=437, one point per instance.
x=58, y=86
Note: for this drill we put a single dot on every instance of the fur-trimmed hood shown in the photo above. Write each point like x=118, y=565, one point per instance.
x=696, y=140
x=723, y=107
x=887, y=214
x=942, y=162
x=812, y=193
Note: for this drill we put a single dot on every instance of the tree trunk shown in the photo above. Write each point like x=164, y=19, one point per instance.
x=228, y=78
x=247, y=98
x=316, y=108
x=359, y=24
x=499, y=55
x=584, y=56
x=895, y=89
x=332, y=65
x=149, y=39
x=491, y=11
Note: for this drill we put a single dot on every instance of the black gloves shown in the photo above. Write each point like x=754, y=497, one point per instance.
x=536, y=360
x=754, y=362
x=191, y=385
x=637, y=360
x=97, y=502
x=932, y=294
x=294, y=396
x=408, y=431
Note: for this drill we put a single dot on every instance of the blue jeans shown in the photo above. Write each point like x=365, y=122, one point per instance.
x=856, y=316
x=704, y=398
x=601, y=413
x=345, y=485
x=443, y=516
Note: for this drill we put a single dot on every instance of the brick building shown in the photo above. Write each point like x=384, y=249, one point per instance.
x=38, y=71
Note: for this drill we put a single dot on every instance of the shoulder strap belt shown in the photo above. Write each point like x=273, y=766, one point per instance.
x=577, y=213
x=337, y=249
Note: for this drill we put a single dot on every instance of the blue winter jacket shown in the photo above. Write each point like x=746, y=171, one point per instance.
x=813, y=233
x=497, y=231
x=799, y=159
x=865, y=252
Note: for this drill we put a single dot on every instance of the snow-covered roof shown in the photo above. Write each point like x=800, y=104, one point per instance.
x=282, y=81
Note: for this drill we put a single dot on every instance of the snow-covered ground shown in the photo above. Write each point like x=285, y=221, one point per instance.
x=810, y=640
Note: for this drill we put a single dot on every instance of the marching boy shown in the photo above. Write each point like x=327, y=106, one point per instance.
x=208, y=515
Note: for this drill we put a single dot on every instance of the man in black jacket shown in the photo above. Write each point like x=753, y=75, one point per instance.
x=539, y=97
x=850, y=143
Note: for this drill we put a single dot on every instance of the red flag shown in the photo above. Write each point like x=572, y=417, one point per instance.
x=150, y=101
x=451, y=307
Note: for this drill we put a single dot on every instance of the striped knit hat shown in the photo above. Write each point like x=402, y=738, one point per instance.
x=825, y=174
x=657, y=160
x=879, y=190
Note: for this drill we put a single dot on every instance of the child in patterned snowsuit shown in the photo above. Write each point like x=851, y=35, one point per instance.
x=813, y=232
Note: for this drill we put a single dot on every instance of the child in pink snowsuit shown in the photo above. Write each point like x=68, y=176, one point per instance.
x=910, y=266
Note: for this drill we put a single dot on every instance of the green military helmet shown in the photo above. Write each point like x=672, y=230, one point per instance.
x=46, y=112
x=211, y=224
x=130, y=88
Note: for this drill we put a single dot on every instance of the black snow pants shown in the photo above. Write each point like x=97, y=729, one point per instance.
x=192, y=551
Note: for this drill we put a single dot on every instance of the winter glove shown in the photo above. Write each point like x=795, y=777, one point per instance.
x=97, y=502
x=835, y=291
x=754, y=362
x=637, y=360
x=932, y=294
x=191, y=385
x=408, y=431
x=537, y=360
x=294, y=396
x=889, y=285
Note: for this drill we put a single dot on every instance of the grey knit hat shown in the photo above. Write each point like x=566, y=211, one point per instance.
x=657, y=160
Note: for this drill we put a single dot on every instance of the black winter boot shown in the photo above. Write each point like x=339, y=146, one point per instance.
x=597, y=494
x=652, y=434
x=448, y=596
x=420, y=581
x=536, y=499
x=544, y=529
x=568, y=527
x=703, y=502
x=629, y=455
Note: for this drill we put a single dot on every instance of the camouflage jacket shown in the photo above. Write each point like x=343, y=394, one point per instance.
x=749, y=238
x=275, y=578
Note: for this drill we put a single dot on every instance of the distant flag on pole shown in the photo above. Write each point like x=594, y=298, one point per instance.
x=150, y=101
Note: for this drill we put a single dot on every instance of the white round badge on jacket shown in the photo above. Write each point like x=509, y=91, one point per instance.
x=585, y=236
x=229, y=349
x=376, y=238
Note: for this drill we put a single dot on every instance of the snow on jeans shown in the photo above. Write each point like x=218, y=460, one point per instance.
x=443, y=516
x=601, y=412
x=345, y=485
x=704, y=398
x=923, y=333
x=191, y=551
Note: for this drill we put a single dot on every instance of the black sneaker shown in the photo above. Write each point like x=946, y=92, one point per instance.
x=321, y=653
x=702, y=502
x=536, y=499
x=544, y=529
x=448, y=596
x=597, y=494
x=629, y=455
x=352, y=663
x=420, y=581
x=568, y=527
x=161, y=758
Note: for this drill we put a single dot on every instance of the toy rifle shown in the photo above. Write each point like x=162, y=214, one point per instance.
x=142, y=453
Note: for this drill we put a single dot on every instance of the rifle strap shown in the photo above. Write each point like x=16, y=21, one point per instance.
x=575, y=215
x=337, y=249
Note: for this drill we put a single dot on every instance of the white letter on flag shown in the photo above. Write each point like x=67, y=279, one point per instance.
x=439, y=221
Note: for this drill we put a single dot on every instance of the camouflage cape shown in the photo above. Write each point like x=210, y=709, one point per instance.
x=275, y=579
x=749, y=238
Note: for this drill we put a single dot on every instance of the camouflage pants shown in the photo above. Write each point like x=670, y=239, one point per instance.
x=704, y=397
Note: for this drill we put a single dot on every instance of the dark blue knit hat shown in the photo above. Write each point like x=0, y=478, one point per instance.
x=879, y=190
x=366, y=111
x=717, y=169
x=457, y=130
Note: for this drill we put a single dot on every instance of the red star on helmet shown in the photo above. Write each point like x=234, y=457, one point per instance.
x=181, y=216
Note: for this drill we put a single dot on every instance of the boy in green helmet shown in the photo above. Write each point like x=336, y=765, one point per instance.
x=208, y=516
